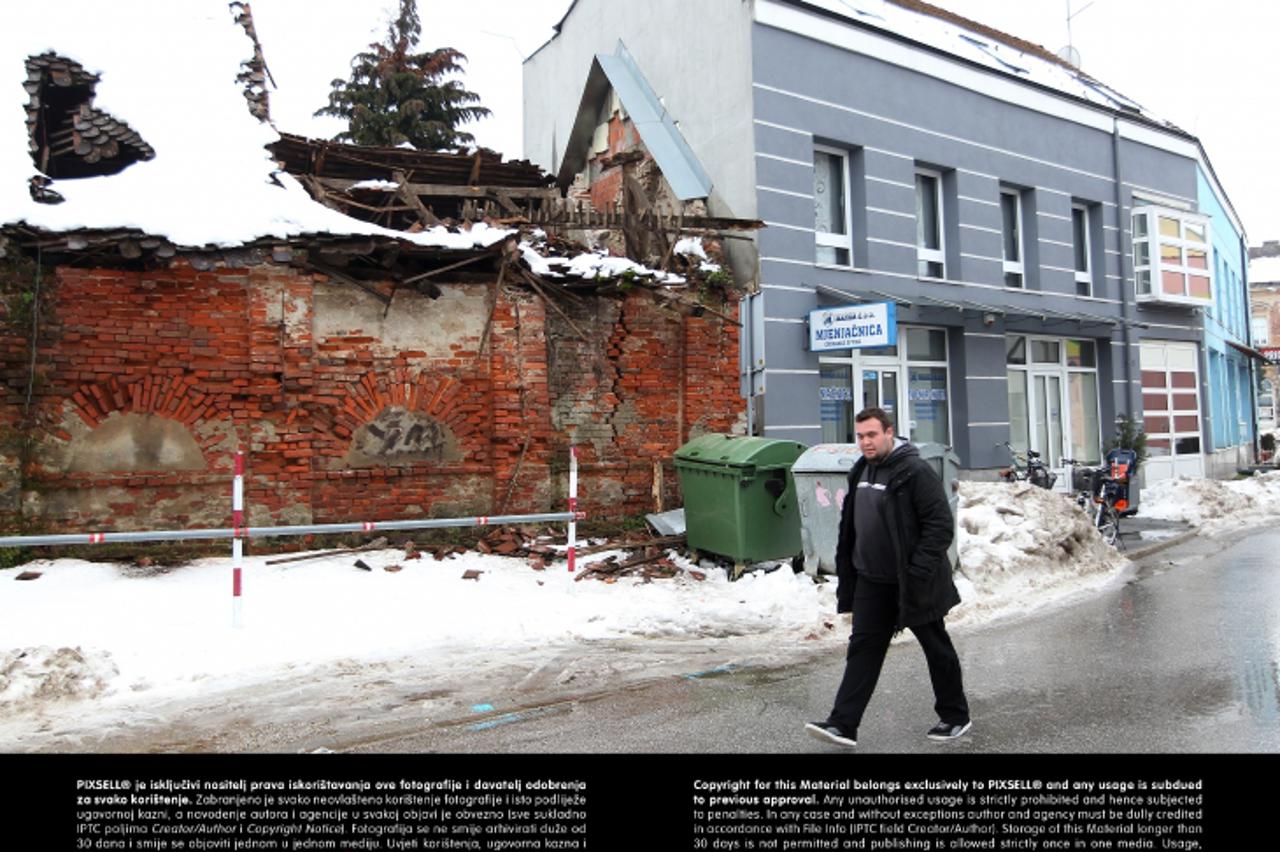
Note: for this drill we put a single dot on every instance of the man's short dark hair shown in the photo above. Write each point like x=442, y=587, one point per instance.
x=865, y=414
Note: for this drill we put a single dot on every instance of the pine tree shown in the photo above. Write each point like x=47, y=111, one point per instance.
x=1129, y=435
x=396, y=95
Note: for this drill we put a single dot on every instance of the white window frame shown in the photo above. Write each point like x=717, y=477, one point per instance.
x=1174, y=434
x=1259, y=329
x=858, y=360
x=1083, y=276
x=1014, y=267
x=827, y=239
x=1156, y=264
x=928, y=255
x=1063, y=371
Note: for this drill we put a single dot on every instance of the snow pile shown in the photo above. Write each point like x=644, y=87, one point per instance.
x=170, y=635
x=379, y=185
x=1214, y=505
x=692, y=247
x=1021, y=546
x=36, y=676
x=591, y=265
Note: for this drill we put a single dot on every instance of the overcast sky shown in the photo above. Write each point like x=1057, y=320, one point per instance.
x=1206, y=67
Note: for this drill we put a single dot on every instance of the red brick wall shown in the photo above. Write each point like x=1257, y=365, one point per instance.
x=232, y=356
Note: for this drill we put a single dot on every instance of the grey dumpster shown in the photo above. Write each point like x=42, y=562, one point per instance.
x=821, y=476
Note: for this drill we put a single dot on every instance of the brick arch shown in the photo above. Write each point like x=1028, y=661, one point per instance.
x=172, y=397
x=371, y=396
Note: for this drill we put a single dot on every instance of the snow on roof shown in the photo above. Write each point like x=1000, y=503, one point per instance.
x=937, y=28
x=168, y=70
x=1264, y=270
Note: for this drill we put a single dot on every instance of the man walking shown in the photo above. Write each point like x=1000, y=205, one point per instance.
x=893, y=572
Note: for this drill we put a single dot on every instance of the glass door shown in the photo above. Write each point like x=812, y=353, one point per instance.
x=880, y=389
x=1046, y=417
x=835, y=393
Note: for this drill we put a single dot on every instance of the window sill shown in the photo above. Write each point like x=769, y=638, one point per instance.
x=839, y=268
x=1174, y=301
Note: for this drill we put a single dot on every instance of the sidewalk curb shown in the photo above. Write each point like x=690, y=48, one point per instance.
x=1172, y=541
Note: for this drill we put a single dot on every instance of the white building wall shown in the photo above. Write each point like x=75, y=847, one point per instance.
x=695, y=55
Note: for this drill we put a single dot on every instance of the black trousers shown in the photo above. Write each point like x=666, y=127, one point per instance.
x=875, y=613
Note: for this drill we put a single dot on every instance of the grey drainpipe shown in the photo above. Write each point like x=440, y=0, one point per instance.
x=1256, y=442
x=746, y=351
x=1126, y=271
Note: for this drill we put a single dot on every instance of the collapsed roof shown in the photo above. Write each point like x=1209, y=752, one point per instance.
x=166, y=106
x=131, y=162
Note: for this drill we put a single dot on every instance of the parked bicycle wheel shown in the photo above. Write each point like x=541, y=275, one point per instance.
x=1108, y=522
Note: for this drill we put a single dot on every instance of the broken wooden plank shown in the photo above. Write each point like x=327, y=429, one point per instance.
x=660, y=541
x=615, y=567
x=454, y=190
x=424, y=213
x=515, y=475
x=334, y=272
x=376, y=544
x=434, y=272
x=528, y=276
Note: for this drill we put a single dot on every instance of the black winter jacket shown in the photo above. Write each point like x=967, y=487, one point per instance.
x=920, y=525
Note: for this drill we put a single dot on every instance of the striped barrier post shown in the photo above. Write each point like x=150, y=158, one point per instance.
x=573, y=506
x=237, y=541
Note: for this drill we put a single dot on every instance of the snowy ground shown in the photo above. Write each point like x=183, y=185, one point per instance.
x=87, y=647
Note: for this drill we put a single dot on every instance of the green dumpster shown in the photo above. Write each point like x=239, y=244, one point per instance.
x=739, y=497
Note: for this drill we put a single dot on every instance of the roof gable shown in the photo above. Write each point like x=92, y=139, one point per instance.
x=658, y=131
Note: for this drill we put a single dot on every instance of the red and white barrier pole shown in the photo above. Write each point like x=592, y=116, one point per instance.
x=573, y=506
x=237, y=541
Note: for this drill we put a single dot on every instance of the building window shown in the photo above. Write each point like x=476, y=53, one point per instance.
x=831, y=207
x=1053, y=398
x=1080, y=246
x=1261, y=333
x=931, y=259
x=1011, y=215
x=1171, y=256
x=927, y=385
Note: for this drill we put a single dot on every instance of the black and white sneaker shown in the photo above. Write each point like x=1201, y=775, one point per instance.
x=947, y=731
x=830, y=732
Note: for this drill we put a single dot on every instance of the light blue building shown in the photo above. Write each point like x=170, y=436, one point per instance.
x=1227, y=351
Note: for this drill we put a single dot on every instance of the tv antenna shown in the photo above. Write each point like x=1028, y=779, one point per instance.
x=1069, y=54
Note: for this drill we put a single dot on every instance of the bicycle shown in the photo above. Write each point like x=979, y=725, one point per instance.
x=1103, y=499
x=1033, y=470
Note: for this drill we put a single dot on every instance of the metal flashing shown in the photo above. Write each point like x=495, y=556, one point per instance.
x=619, y=72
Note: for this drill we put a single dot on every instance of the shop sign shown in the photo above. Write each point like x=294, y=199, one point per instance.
x=853, y=327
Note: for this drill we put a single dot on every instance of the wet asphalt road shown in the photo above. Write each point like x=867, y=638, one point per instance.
x=1181, y=656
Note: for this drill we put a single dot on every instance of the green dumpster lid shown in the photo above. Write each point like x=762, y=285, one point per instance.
x=739, y=451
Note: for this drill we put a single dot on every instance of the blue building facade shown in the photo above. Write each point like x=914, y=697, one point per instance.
x=1227, y=368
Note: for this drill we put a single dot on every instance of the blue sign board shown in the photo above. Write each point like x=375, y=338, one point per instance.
x=853, y=327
